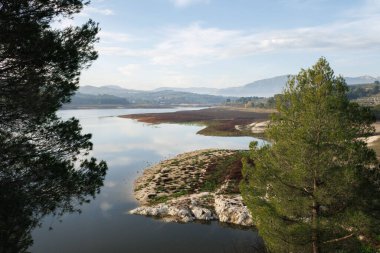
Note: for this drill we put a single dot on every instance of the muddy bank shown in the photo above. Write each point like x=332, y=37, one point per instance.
x=219, y=121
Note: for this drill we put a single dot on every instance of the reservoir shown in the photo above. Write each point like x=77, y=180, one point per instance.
x=104, y=224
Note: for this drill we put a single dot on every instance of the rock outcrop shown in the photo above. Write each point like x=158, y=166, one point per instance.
x=173, y=190
x=205, y=206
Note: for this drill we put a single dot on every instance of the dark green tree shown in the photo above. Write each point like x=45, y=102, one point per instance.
x=315, y=188
x=44, y=164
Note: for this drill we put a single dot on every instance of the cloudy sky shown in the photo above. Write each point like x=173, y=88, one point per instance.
x=145, y=44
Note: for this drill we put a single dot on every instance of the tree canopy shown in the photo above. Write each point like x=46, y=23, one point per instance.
x=315, y=188
x=44, y=163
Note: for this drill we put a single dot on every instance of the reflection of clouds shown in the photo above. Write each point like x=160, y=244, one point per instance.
x=120, y=161
x=182, y=138
x=129, y=146
x=105, y=206
x=110, y=184
x=110, y=148
x=128, y=193
x=164, y=140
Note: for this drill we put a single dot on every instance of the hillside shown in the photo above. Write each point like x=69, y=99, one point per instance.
x=114, y=96
x=261, y=88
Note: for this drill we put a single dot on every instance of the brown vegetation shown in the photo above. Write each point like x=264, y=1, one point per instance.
x=219, y=121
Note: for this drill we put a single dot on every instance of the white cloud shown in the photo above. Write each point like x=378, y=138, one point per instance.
x=118, y=51
x=196, y=44
x=186, y=3
x=111, y=37
x=88, y=10
x=129, y=69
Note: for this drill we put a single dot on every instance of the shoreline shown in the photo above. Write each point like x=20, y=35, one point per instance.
x=194, y=186
x=218, y=121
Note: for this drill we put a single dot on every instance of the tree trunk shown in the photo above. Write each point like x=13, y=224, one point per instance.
x=315, y=232
x=314, y=224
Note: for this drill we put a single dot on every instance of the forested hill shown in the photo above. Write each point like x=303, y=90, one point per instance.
x=117, y=97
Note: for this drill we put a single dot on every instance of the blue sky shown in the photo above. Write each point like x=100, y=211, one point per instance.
x=146, y=44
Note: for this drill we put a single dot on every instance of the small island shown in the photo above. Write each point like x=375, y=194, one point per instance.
x=201, y=185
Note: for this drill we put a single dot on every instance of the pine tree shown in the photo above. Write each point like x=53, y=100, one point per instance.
x=44, y=164
x=315, y=188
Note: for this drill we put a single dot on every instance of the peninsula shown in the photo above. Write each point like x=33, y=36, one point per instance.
x=201, y=185
x=218, y=121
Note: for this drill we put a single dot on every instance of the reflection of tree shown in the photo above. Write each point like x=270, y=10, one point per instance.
x=37, y=179
x=37, y=185
x=44, y=163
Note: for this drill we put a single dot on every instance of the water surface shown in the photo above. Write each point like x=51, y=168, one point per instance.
x=104, y=224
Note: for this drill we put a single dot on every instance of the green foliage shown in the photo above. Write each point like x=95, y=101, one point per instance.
x=44, y=163
x=359, y=91
x=256, y=102
x=226, y=168
x=316, y=187
x=84, y=99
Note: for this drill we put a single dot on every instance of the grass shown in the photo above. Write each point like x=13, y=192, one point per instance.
x=226, y=168
x=218, y=168
x=179, y=194
x=162, y=199
x=158, y=200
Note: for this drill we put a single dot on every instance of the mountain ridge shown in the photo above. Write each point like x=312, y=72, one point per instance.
x=260, y=88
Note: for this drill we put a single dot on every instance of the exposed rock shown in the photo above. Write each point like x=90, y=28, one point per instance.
x=230, y=209
x=255, y=127
x=201, y=213
x=177, y=182
x=202, y=206
x=259, y=127
x=159, y=210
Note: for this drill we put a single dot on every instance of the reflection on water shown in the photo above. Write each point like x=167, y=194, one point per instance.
x=104, y=225
x=41, y=174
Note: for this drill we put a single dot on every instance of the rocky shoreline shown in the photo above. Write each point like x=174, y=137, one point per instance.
x=200, y=185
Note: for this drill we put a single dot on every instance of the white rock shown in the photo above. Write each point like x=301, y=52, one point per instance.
x=181, y=213
x=201, y=213
x=230, y=209
x=159, y=210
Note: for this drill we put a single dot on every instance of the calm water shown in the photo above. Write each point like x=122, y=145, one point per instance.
x=104, y=224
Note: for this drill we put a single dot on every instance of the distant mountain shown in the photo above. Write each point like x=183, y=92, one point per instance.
x=361, y=80
x=260, y=88
x=110, y=95
x=198, y=90
x=113, y=90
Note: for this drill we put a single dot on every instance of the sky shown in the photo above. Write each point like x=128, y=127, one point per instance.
x=146, y=44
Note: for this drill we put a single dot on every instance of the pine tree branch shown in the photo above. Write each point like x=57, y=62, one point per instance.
x=340, y=239
x=304, y=190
